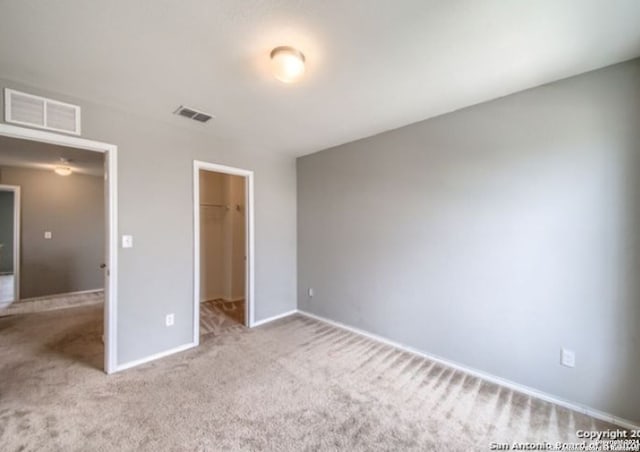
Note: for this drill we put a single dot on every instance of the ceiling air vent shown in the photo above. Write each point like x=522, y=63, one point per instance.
x=192, y=113
x=35, y=111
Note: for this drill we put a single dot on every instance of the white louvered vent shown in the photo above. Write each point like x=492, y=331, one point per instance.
x=35, y=111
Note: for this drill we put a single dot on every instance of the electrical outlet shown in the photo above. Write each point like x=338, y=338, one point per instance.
x=48, y=235
x=169, y=320
x=567, y=357
x=310, y=292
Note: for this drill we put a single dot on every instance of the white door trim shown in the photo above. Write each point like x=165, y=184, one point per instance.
x=249, y=241
x=111, y=164
x=16, y=237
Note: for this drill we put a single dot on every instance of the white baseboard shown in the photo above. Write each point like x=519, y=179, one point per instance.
x=601, y=415
x=147, y=359
x=63, y=294
x=181, y=348
x=275, y=317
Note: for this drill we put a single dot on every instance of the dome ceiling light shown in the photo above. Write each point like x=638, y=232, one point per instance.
x=287, y=64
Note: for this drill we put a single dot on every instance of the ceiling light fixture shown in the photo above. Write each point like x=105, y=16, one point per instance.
x=63, y=169
x=287, y=64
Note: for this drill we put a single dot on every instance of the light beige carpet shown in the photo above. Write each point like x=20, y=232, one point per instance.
x=220, y=317
x=292, y=385
x=52, y=302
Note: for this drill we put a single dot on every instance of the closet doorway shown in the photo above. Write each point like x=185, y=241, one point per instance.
x=223, y=245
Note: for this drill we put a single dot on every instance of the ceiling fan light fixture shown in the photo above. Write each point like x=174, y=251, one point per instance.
x=63, y=169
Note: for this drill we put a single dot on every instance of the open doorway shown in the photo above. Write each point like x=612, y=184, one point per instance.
x=223, y=249
x=53, y=244
x=64, y=247
x=9, y=243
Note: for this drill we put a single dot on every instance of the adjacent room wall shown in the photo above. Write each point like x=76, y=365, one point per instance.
x=212, y=195
x=155, y=205
x=492, y=236
x=222, y=241
x=6, y=230
x=72, y=209
x=236, y=234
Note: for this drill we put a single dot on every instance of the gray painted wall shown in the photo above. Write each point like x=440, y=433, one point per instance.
x=155, y=205
x=6, y=231
x=72, y=209
x=492, y=236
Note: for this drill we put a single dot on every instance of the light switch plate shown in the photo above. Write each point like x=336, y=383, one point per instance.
x=567, y=357
x=127, y=241
x=48, y=235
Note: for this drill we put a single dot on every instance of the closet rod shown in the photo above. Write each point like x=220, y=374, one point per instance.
x=238, y=207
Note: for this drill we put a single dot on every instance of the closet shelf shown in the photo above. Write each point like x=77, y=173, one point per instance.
x=237, y=207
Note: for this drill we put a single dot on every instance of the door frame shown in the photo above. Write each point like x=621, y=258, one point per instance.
x=15, y=189
x=111, y=239
x=249, y=241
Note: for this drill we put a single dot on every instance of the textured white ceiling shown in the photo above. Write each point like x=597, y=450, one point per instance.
x=373, y=65
x=36, y=155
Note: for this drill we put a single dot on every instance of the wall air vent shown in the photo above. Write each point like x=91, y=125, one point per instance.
x=35, y=111
x=192, y=113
